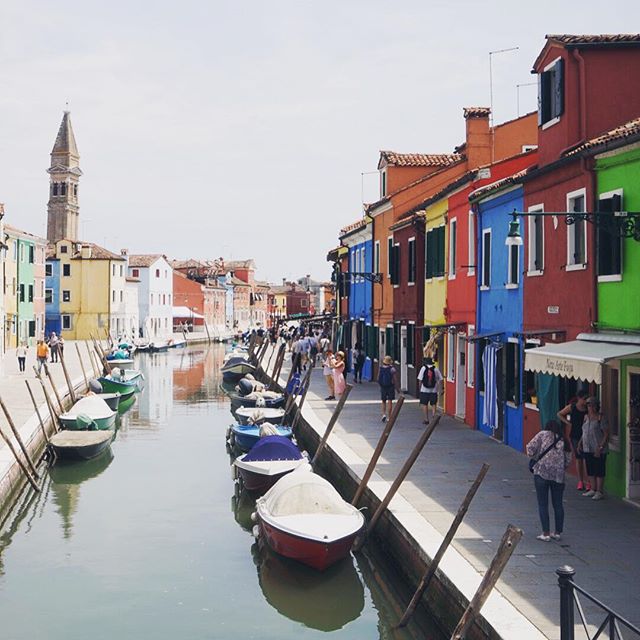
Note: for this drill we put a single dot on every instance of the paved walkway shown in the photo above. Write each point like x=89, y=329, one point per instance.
x=601, y=542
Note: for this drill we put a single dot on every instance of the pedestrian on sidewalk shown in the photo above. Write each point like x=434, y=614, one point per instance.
x=430, y=380
x=573, y=416
x=387, y=382
x=61, y=346
x=553, y=455
x=53, y=346
x=358, y=358
x=21, y=353
x=594, y=441
x=327, y=372
x=42, y=353
x=339, y=383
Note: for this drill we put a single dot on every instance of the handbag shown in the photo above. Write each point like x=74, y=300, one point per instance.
x=534, y=461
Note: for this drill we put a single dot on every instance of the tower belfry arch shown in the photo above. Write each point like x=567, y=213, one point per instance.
x=63, y=208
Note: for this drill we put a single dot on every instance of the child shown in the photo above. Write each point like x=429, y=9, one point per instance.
x=387, y=382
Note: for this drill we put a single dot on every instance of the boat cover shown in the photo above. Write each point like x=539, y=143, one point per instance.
x=273, y=448
x=258, y=415
x=304, y=493
x=92, y=406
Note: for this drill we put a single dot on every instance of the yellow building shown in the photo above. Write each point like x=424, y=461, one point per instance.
x=91, y=289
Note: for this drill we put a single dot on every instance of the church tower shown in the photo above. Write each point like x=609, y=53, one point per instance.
x=64, y=174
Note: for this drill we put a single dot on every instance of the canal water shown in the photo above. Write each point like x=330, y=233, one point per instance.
x=153, y=540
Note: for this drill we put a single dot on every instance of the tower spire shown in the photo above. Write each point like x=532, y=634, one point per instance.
x=64, y=173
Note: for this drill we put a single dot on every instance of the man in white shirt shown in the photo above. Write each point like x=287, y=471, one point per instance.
x=430, y=386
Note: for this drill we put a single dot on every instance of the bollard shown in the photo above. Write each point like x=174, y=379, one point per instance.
x=565, y=582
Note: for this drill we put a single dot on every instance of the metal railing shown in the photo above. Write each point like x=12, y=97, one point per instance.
x=570, y=602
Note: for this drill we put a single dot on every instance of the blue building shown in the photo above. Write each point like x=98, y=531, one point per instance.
x=358, y=329
x=53, y=320
x=499, y=312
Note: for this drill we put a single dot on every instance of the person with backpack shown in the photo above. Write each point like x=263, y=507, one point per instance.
x=387, y=382
x=430, y=380
x=358, y=357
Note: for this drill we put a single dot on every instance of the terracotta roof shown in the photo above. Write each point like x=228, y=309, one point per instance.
x=11, y=229
x=236, y=282
x=278, y=289
x=499, y=184
x=601, y=38
x=187, y=264
x=231, y=265
x=419, y=159
x=476, y=112
x=261, y=283
x=628, y=131
x=143, y=260
x=97, y=252
x=354, y=226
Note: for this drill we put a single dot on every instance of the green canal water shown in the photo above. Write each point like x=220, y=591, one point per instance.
x=153, y=540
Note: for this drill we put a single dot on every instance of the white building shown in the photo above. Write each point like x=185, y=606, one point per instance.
x=155, y=296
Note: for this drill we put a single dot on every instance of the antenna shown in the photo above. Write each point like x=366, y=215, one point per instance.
x=492, y=53
x=524, y=84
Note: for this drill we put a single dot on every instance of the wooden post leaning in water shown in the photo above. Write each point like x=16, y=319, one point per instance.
x=266, y=368
x=53, y=386
x=332, y=423
x=72, y=393
x=382, y=441
x=444, y=545
x=35, y=406
x=509, y=542
x=52, y=413
x=306, y=383
x=277, y=367
x=29, y=477
x=84, y=373
x=18, y=438
x=413, y=456
x=96, y=372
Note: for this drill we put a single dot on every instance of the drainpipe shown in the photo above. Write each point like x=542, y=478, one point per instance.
x=589, y=170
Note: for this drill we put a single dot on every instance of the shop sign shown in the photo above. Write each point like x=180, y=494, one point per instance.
x=553, y=310
x=559, y=367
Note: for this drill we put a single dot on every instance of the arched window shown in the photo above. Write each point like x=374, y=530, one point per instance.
x=55, y=188
x=63, y=188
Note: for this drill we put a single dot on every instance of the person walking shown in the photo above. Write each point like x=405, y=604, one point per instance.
x=593, y=444
x=21, y=353
x=61, y=346
x=327, y=372
x=387, y=382
x=572, y=416
x=296, y=355
x=358, y=357
x=339, y=383
x=551, y=455
x=42, y=353
x=53, y=346
x=430, y=380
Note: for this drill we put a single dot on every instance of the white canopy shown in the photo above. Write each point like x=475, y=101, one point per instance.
x=579, y=359
x=185, y=312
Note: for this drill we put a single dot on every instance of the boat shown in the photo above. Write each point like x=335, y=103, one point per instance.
x=89, y=412
x=236, y=368
x=124, y=387
x=255, y=415
x=271, y=458
x=122, y=363
x=72, y=473
x=304, y=518
x=160, y=347
x=126, y=404
x=264, y=399
x=245, y=436
x=112, y=399
x=80, y=445
x=177, y=344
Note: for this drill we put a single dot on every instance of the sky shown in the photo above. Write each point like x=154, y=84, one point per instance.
x=253, y=129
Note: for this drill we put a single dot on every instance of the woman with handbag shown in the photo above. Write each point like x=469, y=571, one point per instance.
x=550, y=456
x=595, y=437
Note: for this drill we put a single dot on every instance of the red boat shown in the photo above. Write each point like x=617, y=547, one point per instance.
x=304, y=518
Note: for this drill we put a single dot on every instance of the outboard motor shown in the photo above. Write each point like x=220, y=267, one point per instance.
x=95, y=386
x=245, y=387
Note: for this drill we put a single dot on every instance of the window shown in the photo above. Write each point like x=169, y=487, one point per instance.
x=64, y=249
x=472, y=244
x=32, y=254
x=529, y=392
x=411, y=329
x=362, y=267
x=512, y=371
x=383, y=183
x=395, y=264
x=15, y=250
x=611, y=404
x=434, y=247
x=54, y=189
x=451, y=356
x=135, y=273
x=30, y=293
x=21, y=253
x=157, y=273
x=113, y=295
x=66, y=269
x=576, y=232
x=121, y=295
x=63, y=188
x=551, y=93
x=66, y=295
x=486, y=259
x=121, y=271
x=48, y=296
x=152, y=298
x=513, y=275
x=113, y=270
x=609, y=242
x=453, y=236
x=66, y=322
x=48, y=269
x=21, y=298
x=389, y=255
x=411, y=277
x=536, y=242
x=471, y=352
x=32, y=328
x=376, y=257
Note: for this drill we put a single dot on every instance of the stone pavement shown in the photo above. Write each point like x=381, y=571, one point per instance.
x=601, y=540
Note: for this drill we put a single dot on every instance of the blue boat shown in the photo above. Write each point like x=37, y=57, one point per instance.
x=244, y=436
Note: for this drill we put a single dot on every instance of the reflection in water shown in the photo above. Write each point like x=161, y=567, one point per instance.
x=155, y=402
x=66, y=478
x=326, y=600
x=243, y=505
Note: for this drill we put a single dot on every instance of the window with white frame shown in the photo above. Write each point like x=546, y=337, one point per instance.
x=389, y=255
x=453, y=237
x=66, y=295
x=576, y=232
x=471, y=357
x=551, y=93
x=451, y=355
x=66, y=322
x=376, y=257
x=536, y=241
x=361, y=263
x=485, y=282
x=48, y=296
x=609, y=243
x=513, y=269
x=471, y=258
x=411, y=257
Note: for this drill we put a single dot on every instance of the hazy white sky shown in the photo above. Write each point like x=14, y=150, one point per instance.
x=242, y=129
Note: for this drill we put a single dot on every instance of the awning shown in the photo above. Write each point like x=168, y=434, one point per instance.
x=577, y=359
x=483, y=336
x=185, y=312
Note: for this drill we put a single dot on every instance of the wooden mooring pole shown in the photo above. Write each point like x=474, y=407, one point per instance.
x=305, y=388
x=84, y=373
x=96, y=371
x=53, y=386
x=508, y=544
x=332, y=423
x=29, y=477
x=413, y=456
x=16, y=435
x=35, y=406
x=72, y=393
x=277, y=367
x=382, y=441
x=444, y=545
x=52, y=413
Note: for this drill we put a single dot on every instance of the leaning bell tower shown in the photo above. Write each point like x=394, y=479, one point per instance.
x=64, y=173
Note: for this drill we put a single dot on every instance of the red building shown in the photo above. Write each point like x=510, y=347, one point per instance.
x=578, y=75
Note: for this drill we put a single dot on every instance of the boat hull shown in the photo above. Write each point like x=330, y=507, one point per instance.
x=271, y=403
x=79, y=446
x=315, y=554
x=112, y=399
x=102, y=424
x=125, y=389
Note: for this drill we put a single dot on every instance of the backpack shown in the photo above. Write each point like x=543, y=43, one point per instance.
x=429, y=380
x=385, y=376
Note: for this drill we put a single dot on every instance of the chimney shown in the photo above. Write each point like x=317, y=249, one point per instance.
x=85, y=252
x=284, y=282
x=478, y=136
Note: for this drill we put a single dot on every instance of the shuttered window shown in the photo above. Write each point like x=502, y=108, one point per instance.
x=609, y=245
x=434, y=263
x=411, y=278
x=486, y=258
x=551, y=92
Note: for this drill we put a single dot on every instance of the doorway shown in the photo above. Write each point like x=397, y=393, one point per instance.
x=633, y=430
x=461, y=376
x=403, y=358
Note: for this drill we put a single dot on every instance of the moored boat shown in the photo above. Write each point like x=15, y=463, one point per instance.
x=271, y=458
x=90, y=410
x=304, y=518
x=124, y=387
x=80, y=445
x=245, y=436
x=236, y=368
x=255, y=415
x=112, y=399
x=265, y=399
